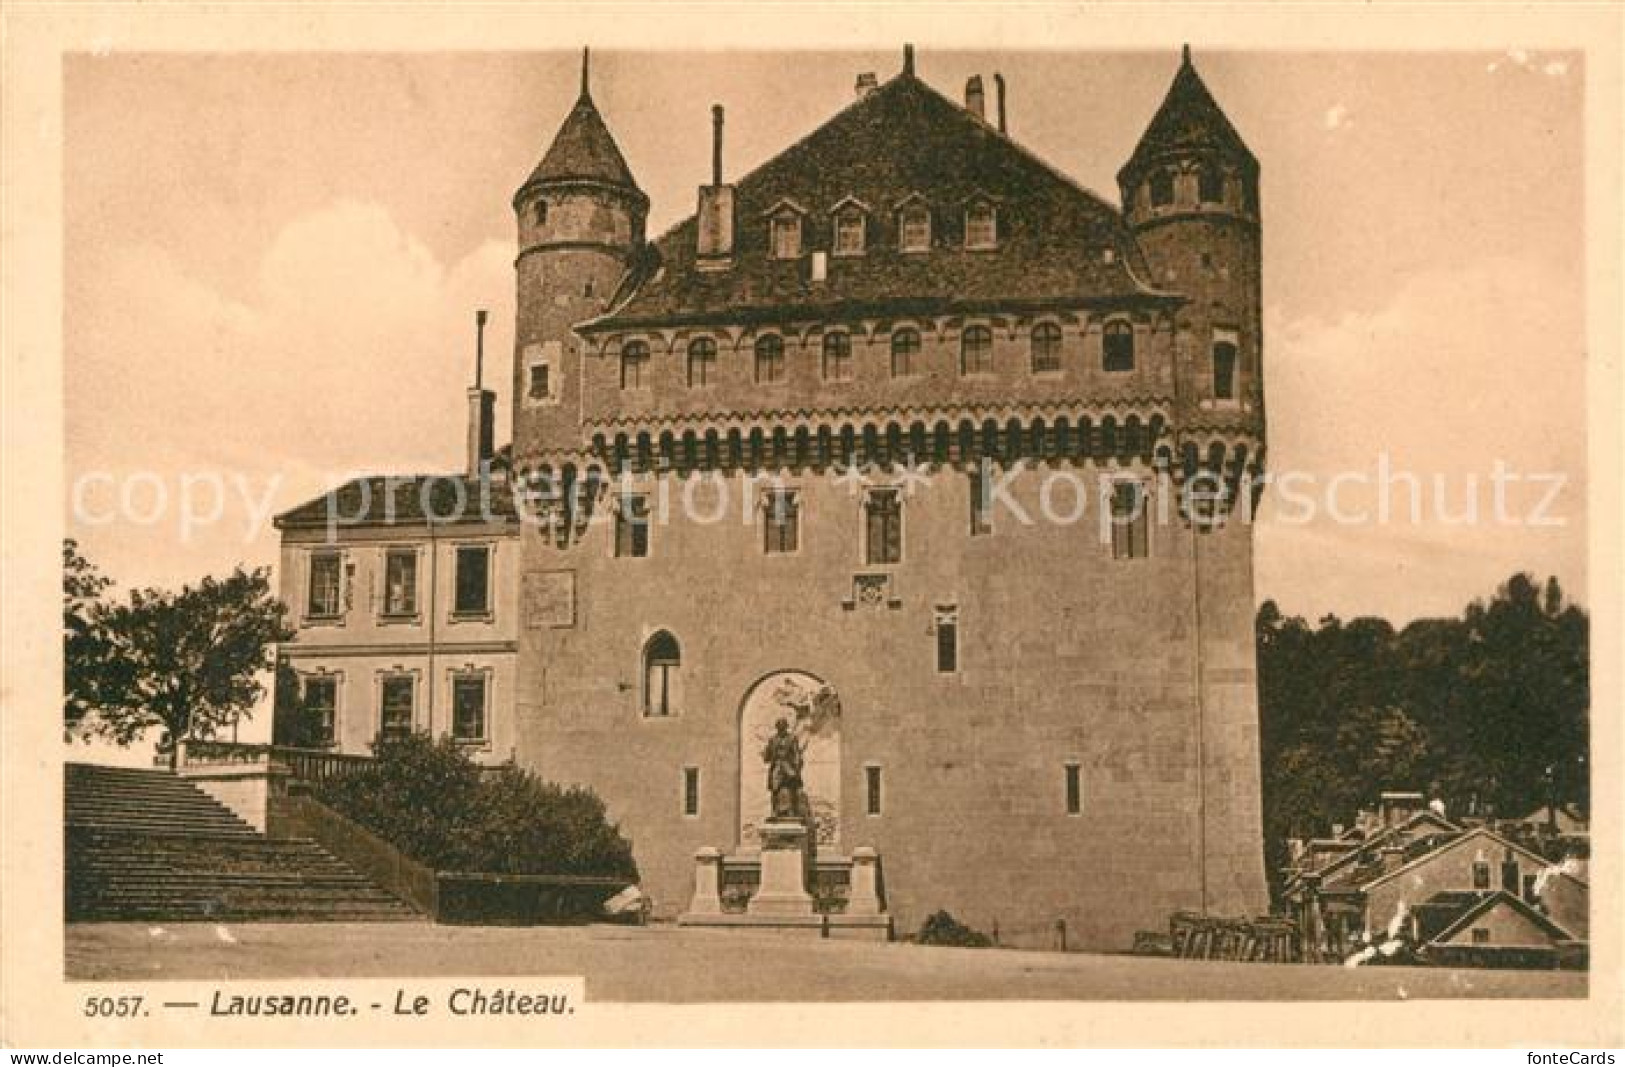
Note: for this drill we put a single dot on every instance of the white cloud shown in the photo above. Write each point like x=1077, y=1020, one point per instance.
x=352, y=353
x=1463, y=368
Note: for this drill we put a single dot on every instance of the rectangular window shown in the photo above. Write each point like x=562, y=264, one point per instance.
x=1481, y=875
x=849, y=234
x=395, y=711
x=786, y=237
x=473, y=580
x=540, y=387
x=1074, y=789
x=632, y=527
x=691, y=790
x=871, y=789
x=1529, y=893
x=915, y=235
x=947, y=640
x=401, y=581
x=781, y=522
x=883, y=520
x=1224, y=370
x=321, y=706
x=1481, y=935
x=1130, y=521
x=324, y=590
x=981, y=504
x=981, y=230
x=468, y=707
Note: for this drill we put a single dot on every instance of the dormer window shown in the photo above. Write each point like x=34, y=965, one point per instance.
x=784, y=230
x=1162, y=188
x=786, y=237
x=914, y=227
x=981, y=226
x=851, y=228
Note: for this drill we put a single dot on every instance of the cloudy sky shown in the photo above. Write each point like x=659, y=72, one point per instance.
x=272, y=263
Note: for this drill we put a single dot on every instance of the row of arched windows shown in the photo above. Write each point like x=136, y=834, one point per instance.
x=975, y=354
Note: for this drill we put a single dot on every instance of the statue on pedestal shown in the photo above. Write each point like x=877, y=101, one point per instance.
x=783, y=756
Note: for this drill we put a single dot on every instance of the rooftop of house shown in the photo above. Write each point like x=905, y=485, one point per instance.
x=406, y=500
x=1188, y=121
x=901, y=143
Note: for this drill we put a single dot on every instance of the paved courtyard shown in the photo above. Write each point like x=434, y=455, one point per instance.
x=669, y=964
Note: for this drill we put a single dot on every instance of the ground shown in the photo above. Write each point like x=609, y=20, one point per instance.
x=669, y=964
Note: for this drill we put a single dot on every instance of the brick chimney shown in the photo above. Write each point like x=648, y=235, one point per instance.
x=716, y=214
x=481, y=406
x=998, y=95
x=975, y=99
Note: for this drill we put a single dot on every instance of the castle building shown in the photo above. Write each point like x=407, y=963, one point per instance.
x=908, y=439
x=784, y=458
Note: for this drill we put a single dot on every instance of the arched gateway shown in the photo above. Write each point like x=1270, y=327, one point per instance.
x=813, y=711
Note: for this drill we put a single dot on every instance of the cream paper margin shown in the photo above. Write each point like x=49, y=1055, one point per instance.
x=39, y=1009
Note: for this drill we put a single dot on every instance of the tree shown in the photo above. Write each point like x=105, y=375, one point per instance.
x=85, y=642
x=189, y=661
x=1488, y=712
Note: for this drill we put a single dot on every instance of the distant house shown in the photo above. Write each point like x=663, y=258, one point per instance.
x=1492, y=930
x=1375, y=880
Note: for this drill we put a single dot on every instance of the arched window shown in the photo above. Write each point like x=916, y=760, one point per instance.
x=634, y=363
x=905, y=352
x=662, y=670
x=837, y=357
x=1046, y=348
x=976, y=350
x=1118, y=346
x=1210, y=185
x=1224, y=370
x=769, y=358
x=702, y=362
x=1162, y=188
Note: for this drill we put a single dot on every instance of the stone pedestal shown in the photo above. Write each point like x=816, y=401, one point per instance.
x=864, y=897
x=783, y=889
x=707, y=883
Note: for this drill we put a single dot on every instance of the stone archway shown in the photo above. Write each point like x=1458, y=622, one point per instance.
x=814, y=712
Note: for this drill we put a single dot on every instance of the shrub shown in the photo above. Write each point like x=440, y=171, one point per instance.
x=431, y=801
x=943, y=929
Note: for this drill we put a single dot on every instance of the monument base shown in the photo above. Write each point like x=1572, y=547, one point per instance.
x=783, y=889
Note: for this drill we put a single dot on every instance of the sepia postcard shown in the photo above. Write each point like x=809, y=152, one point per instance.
x=867, y=525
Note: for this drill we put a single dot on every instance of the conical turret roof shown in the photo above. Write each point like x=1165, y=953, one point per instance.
x=583, y=149
x=1189, y=121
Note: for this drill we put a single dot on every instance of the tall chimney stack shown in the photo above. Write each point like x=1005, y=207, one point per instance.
x=481, y=406
x=715, y=217
x=998, y=92
x=975, y=99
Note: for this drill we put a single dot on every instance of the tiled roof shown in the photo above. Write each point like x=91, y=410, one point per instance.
x=1189, y=120
x=406, y=500
x=1057, y=242
x=583, y=150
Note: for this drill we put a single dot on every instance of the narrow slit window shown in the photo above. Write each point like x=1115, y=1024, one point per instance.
x=691, y=791
x=981, y=503
x=947, y=640
x=1224, y=371
x=1074, y=789
x=1130, y=521
x=871, y=790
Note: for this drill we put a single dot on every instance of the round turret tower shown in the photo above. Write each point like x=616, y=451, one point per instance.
x=580, y=219
x=1190, y=192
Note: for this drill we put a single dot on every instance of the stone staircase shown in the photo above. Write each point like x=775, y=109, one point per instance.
x=148, y=846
